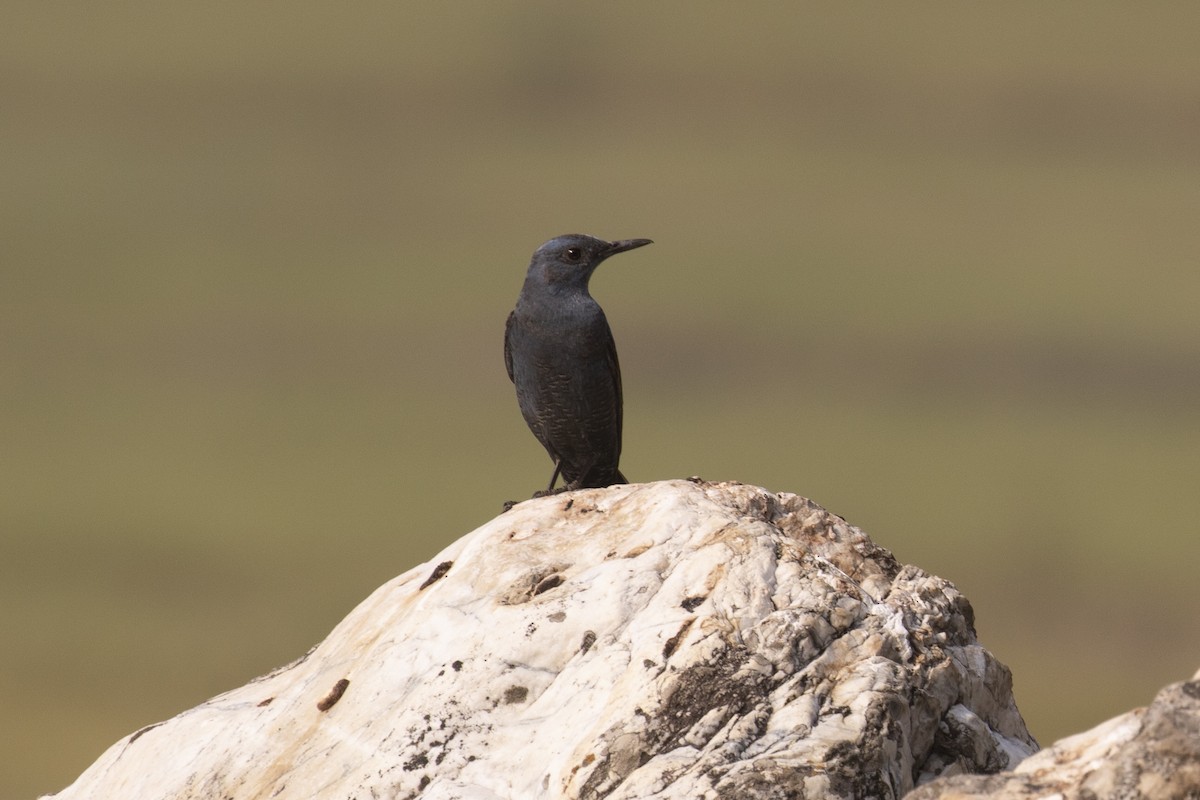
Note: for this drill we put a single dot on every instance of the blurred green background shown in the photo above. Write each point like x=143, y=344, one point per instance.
x=934, y=266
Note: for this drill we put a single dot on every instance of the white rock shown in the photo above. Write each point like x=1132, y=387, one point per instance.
x=669, y=640
x=1151, y=753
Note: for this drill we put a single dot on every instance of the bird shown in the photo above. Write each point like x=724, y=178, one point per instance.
x=561, y=357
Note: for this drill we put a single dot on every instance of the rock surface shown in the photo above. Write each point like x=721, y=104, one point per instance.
x=1149, y=753
x=671, y=640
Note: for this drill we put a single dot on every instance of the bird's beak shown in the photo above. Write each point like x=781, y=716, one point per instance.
x=621, y=245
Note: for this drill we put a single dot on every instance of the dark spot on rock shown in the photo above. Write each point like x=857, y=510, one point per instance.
x=266, y=702
x=416, y=762
x=703, y=687
x=955, y=741
x=692, y=603
x=770, y=782
x=533, y=583
x=648, y=664
x=515, y=694
x=138, y=734
x=557, y=616
x=855, y=772
x=567, y=505
x=438, y=573
x=1191, y=689
x=456, y=666
x=674, y=641
x=508, y=504
x=589, y=639
x=422, y=783
x=530, y=630
x=696, y=479
x=547, y=583
x=327, y=702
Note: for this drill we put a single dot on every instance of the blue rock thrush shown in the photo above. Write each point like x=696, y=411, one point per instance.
x=560, y=355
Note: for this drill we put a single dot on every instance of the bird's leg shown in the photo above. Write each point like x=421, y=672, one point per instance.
x=554, y=477
x=581, y=481
x=553, y=480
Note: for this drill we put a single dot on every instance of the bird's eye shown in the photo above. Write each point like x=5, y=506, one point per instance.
x=573, y=254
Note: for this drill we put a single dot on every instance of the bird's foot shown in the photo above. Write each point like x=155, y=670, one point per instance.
x=551, y=492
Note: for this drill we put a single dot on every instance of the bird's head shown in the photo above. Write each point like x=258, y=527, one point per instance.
x=567, y=262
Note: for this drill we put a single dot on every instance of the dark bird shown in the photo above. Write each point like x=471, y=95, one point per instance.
x=561, y=357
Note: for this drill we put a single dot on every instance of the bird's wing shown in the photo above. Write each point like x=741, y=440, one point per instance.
x=507, y=347
x=614, y=367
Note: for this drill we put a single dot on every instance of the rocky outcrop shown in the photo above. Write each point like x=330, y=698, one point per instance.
x=1151, y=753
x=670, y=640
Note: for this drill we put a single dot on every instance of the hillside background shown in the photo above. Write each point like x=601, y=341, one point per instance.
x=933, y=266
